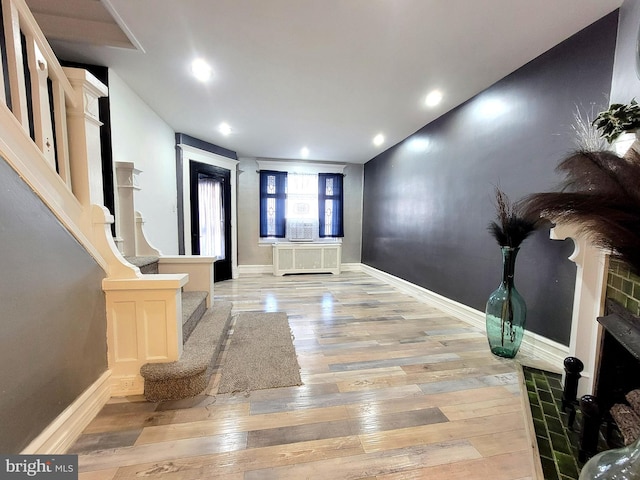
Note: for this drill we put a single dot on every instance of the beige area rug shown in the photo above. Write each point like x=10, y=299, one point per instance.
x=260, y=354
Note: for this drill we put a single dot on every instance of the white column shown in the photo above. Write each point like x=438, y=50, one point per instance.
x=125, y=212
x=84, y=137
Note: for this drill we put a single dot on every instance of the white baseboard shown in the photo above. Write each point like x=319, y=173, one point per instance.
x=127, y=385
x=351, y=267
x=268, y=269
x=542, y=348
x=67, y=427
x=533, y=345
x=254, y=269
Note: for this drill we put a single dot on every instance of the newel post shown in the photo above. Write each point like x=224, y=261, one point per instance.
x=84, y=136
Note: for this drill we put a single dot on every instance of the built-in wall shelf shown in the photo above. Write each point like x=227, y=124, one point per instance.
x=292, y=257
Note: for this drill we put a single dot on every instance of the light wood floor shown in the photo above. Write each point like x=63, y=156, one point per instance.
x=393, y=389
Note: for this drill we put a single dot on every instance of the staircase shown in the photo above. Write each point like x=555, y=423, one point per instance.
x=51, y=129
x=50, y=137
x=203, y=333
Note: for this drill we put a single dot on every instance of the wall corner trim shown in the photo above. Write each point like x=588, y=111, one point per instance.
x=62, y=433
x=534, y=347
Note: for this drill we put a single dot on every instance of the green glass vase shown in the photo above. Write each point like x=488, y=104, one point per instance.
x=618, y=464
x=506, y=311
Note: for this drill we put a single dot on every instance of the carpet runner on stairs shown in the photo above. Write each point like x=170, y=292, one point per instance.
x=194, y=305
x=145, y=264
x=203, y=333
x=190, y=375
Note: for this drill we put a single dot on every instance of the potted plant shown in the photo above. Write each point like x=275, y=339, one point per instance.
x=618, y=119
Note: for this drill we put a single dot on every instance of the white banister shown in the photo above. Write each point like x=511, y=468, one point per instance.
x=28, y=25
x=15, y=61
x=42, y=128
x=42, y=66
x=62, y=140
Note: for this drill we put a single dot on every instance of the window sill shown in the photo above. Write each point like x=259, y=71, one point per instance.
x=267, y=242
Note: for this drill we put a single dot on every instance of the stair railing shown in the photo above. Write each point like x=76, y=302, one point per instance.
x=31, y=98
x=48, y=115
x=49, y=131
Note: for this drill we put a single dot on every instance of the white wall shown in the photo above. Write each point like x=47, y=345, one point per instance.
x=140, y=136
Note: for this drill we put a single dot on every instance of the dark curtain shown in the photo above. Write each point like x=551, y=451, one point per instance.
x=330, y=205
x=273, y=186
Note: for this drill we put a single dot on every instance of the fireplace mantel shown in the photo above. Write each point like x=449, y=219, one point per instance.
x=588, y=301
x=623, y=326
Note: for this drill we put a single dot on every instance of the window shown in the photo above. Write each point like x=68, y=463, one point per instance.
x=211, y=217
x=297, y=200
x=330, y=205
x=302, y=196
x=273, y=194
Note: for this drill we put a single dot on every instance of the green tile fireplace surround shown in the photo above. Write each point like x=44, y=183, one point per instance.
x=623, y=286
x=558, y=445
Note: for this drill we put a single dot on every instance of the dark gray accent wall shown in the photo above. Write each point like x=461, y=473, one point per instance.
x=429, y=199
x=53, y=321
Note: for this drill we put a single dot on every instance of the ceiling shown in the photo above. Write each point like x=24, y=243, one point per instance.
x=323, y=74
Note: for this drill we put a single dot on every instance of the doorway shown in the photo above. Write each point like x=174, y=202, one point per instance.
x=211, y=216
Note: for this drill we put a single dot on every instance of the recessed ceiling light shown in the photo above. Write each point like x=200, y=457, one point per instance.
x=201, y=69
x=224, y=129
x=378, y=140
x=434, y=98
x=304, y=152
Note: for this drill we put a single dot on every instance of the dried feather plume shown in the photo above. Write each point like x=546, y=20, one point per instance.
x=512, y=225
x=586, y=134
x=601, y=197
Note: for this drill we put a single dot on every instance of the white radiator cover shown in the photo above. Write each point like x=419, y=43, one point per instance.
x=306, y=258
